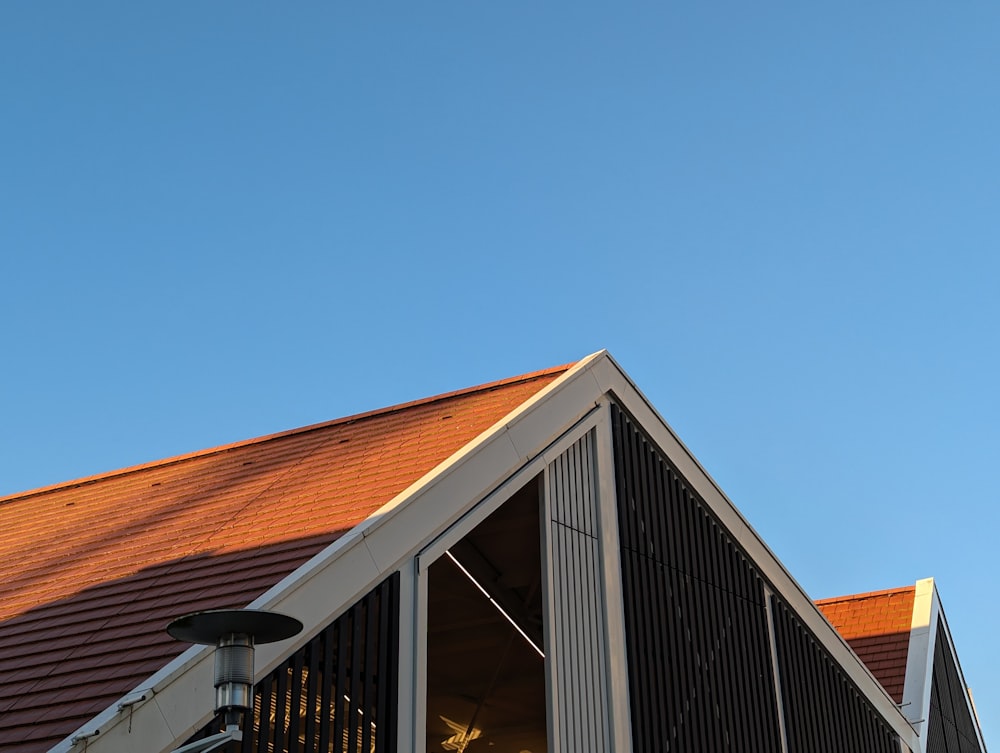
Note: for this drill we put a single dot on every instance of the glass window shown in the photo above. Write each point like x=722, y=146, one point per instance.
x=485, y=649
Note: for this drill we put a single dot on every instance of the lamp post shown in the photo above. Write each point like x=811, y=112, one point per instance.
x=233, y=632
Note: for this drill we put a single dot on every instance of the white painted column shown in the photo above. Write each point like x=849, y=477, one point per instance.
x=614, y=608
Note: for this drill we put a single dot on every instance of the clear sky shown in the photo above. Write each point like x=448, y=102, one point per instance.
x=219, y=220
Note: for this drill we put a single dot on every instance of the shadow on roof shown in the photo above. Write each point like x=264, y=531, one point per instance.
x=63, y=662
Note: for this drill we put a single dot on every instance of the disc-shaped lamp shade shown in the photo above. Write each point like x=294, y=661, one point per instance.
x=206, y=627
x=233, y=632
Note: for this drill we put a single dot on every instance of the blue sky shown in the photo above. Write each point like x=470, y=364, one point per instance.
x=222, y=220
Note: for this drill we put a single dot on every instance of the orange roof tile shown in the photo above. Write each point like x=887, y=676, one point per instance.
x=877, y=627
x=94, y=569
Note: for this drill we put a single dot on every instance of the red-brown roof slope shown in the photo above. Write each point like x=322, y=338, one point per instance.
x=877, y=626
x=94, y=569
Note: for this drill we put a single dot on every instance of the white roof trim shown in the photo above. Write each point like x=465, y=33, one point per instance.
x=179, y=696
x=920, y=658
x=928, y=616
x=773, y=570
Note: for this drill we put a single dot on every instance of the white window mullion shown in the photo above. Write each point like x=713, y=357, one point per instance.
x=611, y=575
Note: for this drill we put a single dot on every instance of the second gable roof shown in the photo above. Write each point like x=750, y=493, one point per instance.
x=877, y=627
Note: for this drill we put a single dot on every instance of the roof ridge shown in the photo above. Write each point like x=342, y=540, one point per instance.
x=344, y=420
x=865, y=595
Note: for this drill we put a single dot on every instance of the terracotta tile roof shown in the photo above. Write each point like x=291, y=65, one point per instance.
x=877, y=626
x=94, y=569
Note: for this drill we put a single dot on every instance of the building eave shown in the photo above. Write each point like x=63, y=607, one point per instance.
x=177, y=697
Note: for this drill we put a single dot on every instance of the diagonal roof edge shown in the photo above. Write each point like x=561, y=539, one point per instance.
x=761, y=553
x=967, y=691
x=864, y=595
x=379, y=544
x=928, y=619
x=220, y=449
x=165, y=697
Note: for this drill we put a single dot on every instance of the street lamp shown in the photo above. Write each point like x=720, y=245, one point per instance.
x=233, y=632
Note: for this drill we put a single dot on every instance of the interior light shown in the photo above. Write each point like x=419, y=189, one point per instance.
x=493, y=601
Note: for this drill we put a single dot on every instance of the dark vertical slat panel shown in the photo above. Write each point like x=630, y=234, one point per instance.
x=687, y=710
x=295, y=705
x=805, y=667
x=645, y=586
x=742, y=713
x=759, y=649
x=728, y=700
x=678, y=715
x=936, y=742
x=712, y=666
x=713, y=641
x=790, y=666
x=280, y=707
x=622, y=442
x=699, y=653
x=620, y=461
x=247, y=746
x=391, y=708
x=745, y=641
x=361, y=646
x=683, y=596
x=950, y=726
x=855, y=709
x=353, y=691
x=367, y=696
x=263, y=721
x=667, y=589
x=312, y=692
x=635, y=497
x=824, y=700
x=824, y=711
x=340, y=686
x=624, y=479
x=698, y=609
x=330, y=640
x=382, y=688
x=727, y=656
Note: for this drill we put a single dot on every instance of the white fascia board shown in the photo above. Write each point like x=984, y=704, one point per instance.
x=920, y=658
x=180, y=695
x=432, y=505
x=149, y=719
x=477, y=513
x=633, y=401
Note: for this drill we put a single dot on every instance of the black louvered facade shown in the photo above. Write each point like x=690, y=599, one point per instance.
x=700, y=676
x=818, y=698
x=338, y=693
x=700, y=663
x=950, y=726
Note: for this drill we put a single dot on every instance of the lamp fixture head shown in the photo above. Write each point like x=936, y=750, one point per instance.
x=233, y=632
